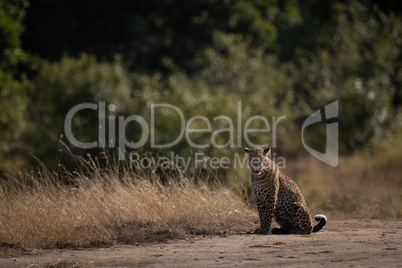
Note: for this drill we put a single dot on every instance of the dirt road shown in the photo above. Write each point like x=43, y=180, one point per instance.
x=352, y=243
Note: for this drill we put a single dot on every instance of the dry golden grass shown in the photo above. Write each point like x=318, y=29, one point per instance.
x=108, y=208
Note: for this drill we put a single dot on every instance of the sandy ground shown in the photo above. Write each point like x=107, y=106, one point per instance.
x=352, y=243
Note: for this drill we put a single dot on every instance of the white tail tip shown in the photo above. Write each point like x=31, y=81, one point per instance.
x=319, y=217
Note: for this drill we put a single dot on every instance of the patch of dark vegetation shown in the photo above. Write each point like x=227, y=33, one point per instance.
x=134, y=233
x=8, y=250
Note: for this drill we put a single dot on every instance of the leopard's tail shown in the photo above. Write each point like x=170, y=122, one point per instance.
x=322, y=222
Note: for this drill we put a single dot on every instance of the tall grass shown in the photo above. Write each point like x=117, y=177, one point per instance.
x=105, y=207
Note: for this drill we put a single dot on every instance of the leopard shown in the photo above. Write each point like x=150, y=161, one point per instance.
x=278, y=197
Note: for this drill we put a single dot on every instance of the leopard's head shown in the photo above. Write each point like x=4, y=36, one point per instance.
x=258, y=159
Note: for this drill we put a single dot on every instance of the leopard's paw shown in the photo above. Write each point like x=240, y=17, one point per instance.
x=262, y=231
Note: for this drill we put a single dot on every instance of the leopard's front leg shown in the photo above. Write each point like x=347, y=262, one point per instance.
x=266, y=208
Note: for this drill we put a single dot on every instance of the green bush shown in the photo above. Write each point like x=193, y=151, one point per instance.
x=59, y=87
x=358, y=66
x=276, y=59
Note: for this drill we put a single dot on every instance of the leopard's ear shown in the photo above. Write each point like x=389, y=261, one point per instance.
x=266, y=150
x=247, y=150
